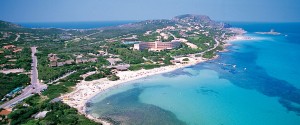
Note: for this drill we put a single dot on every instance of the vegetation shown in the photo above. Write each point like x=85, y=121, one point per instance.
x=186, y=59
x=113, y=77
x=202, y=41
x=94, y=77
x=209, y=54
x=58, y=113
x=12, y=81
x=23, y=59
x=55, y=90
x=132, y=57
x=102, y=73
x=148, y=38
x=143, y=66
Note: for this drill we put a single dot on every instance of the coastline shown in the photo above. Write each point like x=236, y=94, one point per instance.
x=85, y=90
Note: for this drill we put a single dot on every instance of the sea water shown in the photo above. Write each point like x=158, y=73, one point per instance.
x=256, y=82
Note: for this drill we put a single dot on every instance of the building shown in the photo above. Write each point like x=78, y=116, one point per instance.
x=9, y=46
x=157, y=45
x=132, y=38
x=60, y=63
x=40, y=115
x=120, y=67
x=101, y=52
x=52, y=57
x=92, y=60
x=53, y=64
x=174, y=62
x=113, y=61
x=84, y=60
x=5, y=112
x=17, y=50
x=69, y=62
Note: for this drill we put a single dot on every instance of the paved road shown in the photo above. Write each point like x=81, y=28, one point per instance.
x=215, y=46
x=35, y=86
x=17, y=38
x=64, y=76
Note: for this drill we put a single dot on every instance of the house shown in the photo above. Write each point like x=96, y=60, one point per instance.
x=12, y=60
x=5, y=112
x=175, y=61
x=82, y=60
x=53, y=64
x=120, y=67
x=55, y=100
x=69, y=62
x=114, y=71
x=17, y=50
x=9, y=47
x=92, y=60
x=102, y=52
x=113, y=61
x=41, y=114
x=8, y=56
x=52, y=57
x=78, y=60
x=60, y=63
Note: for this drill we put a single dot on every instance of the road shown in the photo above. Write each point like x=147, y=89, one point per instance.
x=35, y=86
x=215, y=46
x=193, y=46
x=17, y=38
x=64, y=76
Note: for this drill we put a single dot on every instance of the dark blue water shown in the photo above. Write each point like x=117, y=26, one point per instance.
x=257, y=82
x=73, y=25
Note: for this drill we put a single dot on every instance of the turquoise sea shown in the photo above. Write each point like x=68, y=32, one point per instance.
x=262, y=89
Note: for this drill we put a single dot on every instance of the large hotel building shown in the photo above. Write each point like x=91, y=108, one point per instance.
x=157, y=45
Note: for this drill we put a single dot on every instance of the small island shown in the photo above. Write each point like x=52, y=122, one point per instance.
x=272, y=32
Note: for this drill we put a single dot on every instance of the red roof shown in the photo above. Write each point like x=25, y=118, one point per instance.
x=4, y=112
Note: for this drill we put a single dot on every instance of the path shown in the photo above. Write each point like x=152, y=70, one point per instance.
x=64, y=76
x=35, y=86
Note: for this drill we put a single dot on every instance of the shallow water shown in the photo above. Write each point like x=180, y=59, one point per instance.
x=262, y=89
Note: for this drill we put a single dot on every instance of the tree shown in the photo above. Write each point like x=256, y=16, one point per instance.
x=186, y=59
x=114, y=78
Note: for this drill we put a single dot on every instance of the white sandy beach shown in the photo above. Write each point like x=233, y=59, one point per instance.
x=85, y=90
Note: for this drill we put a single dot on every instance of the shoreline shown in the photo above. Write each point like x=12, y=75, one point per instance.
x=86, y=90
x=238, y=38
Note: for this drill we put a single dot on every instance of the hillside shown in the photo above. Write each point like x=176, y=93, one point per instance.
x=4, y=24
x=199, y=19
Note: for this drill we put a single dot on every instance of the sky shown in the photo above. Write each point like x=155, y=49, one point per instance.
x=111, y=10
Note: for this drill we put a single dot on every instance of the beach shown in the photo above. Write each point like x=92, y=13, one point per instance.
x=85, y=90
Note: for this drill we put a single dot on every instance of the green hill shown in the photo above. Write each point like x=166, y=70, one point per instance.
x=4, y=24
